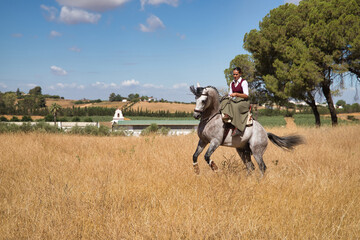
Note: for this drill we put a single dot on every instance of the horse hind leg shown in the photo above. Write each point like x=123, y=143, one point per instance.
x=258, y=152
x=245, y=155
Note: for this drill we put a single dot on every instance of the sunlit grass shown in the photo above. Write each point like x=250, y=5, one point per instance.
x=70, y=187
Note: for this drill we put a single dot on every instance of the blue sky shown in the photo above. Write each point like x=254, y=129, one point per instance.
x=89, y=48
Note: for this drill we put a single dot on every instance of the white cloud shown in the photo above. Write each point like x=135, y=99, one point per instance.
x=292, y=1
x=58, y=71
x=153, y=23
x=180, y=85
x=71, y=15
x=75, y=49
x=131, y=82
x=93, y=5
x=3, y=85
x=149, y=85
x=173, y=3
x=16, y=35
x=50, y=13
x=54, y=34
x=67, y=85
x=103, y=85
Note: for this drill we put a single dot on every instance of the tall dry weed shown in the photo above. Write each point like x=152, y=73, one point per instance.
x=69, y=187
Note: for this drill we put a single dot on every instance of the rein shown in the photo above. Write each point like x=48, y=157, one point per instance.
x=206, y=120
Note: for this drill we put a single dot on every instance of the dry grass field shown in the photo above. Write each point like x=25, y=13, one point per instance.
x=66, y=103
x=20, y=117
x=156, y=106
x=78, y=187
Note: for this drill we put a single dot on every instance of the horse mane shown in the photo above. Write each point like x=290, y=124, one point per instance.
x=214, y=89
x=197, y=91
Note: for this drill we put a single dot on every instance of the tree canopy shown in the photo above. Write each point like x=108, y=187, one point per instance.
x=299, y=50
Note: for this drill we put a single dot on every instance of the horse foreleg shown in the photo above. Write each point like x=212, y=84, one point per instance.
x=200, y=147
x=213, y=146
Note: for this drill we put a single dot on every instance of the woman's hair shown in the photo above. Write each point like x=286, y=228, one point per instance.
x=238, y=69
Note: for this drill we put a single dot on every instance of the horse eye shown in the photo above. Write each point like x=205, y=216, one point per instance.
x=203, y=101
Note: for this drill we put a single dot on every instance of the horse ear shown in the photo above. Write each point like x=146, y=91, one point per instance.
x=193, y=90
x=198, y=85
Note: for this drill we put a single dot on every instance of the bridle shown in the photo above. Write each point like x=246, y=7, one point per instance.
x=201, y=111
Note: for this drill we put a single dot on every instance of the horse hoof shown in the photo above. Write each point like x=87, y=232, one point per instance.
x=196, y=169
x=214, y=167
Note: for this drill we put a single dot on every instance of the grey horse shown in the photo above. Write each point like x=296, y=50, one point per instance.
x=212, y=130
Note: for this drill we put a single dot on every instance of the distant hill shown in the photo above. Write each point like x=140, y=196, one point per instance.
x=156, y=106
x=150, y=106
x=65, y=103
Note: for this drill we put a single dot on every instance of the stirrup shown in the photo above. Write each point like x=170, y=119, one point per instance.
x=226, y=118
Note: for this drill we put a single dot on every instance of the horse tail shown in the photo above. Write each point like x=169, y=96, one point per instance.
x=288, y=142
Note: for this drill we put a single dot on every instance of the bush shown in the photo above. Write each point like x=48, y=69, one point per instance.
x=153, y=128
x=26, y=119
x=77, y=130
x=63, y=119
x=3, y=119
x=88, y=119
x=104, y=131
x=14, y=119
x=352, y=118
x=49, y=118
x=26, y=127
x=75, y=119
x=45, y=127
x=9, y=128
x=120, y=132
x=164, y=131
x=91, y=130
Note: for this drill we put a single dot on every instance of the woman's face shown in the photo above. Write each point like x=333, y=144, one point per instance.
x=236, y=75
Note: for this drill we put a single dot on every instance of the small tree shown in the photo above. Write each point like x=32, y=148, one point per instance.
x=341, y=103
x=55, y=109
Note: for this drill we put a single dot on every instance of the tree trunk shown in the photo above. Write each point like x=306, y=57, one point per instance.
x=327, y=93
x=313, y=106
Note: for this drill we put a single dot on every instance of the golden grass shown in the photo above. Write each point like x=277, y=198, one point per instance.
x=156, y=106
x=66, y=103
x=72, y=187
x=21, y=116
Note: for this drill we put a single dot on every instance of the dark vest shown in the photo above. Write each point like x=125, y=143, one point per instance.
x=238, y=88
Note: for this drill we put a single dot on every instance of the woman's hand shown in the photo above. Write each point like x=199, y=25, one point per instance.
x=239, y=95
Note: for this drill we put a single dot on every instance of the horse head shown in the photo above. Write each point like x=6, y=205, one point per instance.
x=202, y=96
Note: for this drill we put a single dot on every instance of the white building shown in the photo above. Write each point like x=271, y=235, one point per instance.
x=118, y=116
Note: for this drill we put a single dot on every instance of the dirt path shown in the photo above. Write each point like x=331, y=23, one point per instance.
x=290, y=124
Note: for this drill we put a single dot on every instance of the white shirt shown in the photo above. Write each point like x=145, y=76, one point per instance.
x=244, y=86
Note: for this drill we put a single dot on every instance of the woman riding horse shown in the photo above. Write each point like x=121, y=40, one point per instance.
x=235, y=108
